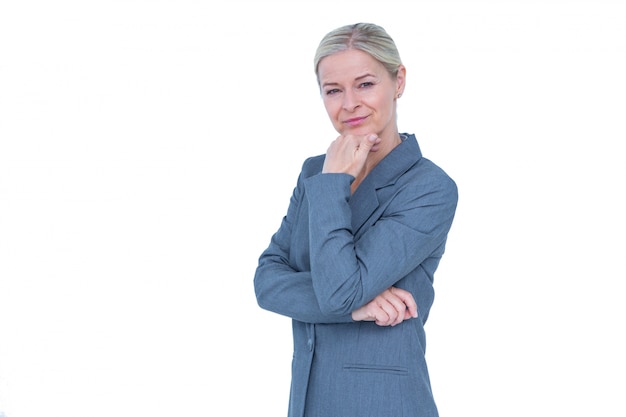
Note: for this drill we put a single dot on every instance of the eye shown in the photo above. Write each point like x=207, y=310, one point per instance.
x=332, y=91
x=366, y=84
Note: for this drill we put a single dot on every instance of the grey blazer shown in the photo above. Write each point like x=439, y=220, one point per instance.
x=333, y=253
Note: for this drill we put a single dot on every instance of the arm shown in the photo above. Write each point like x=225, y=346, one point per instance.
x=347, y=272
x=282, y=289
x=278, y=286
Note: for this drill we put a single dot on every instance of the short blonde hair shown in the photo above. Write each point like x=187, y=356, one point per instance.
x=366, y=37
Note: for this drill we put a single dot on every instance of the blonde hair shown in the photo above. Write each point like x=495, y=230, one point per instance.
x=366, y=37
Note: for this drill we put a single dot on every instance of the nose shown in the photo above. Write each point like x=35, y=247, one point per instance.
x=350, y=101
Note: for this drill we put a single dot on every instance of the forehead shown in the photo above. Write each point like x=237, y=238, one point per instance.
x=348, y=65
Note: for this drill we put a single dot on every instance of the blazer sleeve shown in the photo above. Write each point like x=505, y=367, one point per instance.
x=413, y=226
x=282, y=289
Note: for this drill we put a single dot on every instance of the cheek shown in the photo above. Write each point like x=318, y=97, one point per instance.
x=331, y=108
x=385, y=104
x=387, y=98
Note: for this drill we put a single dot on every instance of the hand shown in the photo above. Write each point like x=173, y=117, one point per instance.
x=347, y=154
x=391, y=307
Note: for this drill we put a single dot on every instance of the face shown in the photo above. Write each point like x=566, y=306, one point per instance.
x=359, y=94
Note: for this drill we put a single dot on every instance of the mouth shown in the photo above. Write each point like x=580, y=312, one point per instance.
x=355, y=121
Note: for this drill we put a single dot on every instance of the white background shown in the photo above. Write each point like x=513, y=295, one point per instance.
x=148, y=150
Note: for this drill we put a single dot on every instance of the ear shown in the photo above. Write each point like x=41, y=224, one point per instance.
x=400, y=80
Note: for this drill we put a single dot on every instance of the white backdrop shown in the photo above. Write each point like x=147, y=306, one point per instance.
x=148, y=150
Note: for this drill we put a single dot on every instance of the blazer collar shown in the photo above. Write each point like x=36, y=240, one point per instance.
x=401, y=158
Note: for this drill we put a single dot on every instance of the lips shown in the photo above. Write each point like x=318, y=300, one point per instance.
x=355, y=121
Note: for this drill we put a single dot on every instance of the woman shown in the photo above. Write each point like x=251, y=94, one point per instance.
x=352, y=262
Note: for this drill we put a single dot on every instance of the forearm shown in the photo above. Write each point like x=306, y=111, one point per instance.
x=290, y=293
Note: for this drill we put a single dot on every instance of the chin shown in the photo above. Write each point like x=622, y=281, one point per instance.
x=357, y=131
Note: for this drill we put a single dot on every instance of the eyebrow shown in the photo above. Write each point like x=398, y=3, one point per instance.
x=356, y=79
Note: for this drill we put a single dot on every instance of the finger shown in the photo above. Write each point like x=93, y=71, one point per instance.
x=389, y=313
x=389, y=309
x=399, y=307
x=381, y=317
x=407, y=299
x=400, y=310
x=367, y=142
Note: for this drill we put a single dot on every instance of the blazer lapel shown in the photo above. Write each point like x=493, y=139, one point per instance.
x=364, y=201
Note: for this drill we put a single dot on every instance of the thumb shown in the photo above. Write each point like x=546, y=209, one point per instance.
x=369, y=141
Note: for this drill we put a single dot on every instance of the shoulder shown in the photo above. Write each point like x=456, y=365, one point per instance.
x=444, y=188
x=312, y=166
x=426, y=170
x=422, y=171
x=426, y=178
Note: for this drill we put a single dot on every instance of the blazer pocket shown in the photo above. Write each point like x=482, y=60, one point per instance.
x=386, y=369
